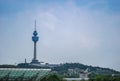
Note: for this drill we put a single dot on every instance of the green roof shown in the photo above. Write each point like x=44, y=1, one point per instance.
x=19, y=74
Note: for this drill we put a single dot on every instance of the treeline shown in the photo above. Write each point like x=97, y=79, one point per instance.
x=105, y=78
x=53, y=77
x=8, y=66
x=63, y=68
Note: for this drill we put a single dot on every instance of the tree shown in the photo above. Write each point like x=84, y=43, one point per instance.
x=53, y=77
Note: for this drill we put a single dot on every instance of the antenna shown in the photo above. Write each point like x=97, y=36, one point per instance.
x=35, y=25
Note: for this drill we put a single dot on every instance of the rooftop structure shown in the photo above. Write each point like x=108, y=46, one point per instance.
x=16, y=74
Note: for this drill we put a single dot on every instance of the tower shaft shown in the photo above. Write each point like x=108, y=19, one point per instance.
x=35, y=50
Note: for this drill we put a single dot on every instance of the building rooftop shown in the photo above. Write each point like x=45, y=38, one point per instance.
x=20, y=74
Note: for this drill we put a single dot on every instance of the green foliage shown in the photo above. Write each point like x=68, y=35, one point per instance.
x=105, y=78
x=27, y=65
x=52, y=77
x=63, y=68
x=82, y=80
x=8, y=66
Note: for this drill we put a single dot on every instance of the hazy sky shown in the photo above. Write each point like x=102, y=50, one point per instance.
x=84, y=31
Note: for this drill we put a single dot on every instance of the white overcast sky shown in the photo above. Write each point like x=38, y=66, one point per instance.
x=84, y=31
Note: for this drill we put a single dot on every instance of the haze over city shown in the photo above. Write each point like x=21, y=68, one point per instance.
x=81, y=31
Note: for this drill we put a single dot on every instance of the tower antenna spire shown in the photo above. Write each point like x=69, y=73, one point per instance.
x=35, y=24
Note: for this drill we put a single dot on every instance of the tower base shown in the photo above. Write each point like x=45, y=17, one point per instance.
x=35, y=62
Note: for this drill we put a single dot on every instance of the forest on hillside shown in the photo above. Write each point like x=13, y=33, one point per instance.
x=63, y=68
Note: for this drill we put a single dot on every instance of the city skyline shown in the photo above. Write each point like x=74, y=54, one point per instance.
x=69, y=31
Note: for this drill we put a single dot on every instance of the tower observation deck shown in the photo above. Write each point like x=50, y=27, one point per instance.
x=35, y=38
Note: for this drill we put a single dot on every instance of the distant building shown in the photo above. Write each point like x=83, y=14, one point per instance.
x=83, y=75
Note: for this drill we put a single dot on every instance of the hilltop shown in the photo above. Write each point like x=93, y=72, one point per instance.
x=77, y=67
x=65, y=68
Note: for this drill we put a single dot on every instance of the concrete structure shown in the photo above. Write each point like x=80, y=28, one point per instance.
x=35, y=63
x=35, y=39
